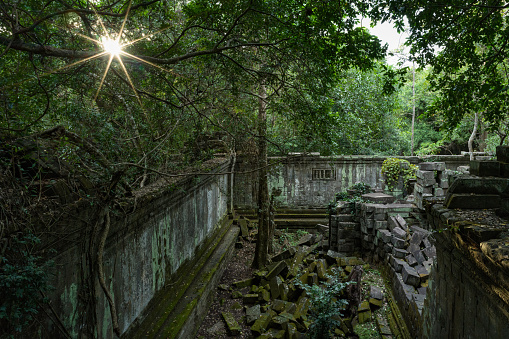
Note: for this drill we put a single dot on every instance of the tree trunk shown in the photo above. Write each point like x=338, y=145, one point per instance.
x=262, y=243
x=472, y=137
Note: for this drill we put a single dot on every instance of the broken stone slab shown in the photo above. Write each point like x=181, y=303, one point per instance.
x=410, y=276
x=279, y=269
x=274, y=287
x=252, y=314
x=312, y=279
x=485, y=168
x=272, y=334
x=322, y=229
x=497, y=250
x=278, y=322
x=416, y=239
x=439, y=192
x=422, y=271
x=332, y=257
x=399, y=232
x=413, y=247
x=278, y=305
x=380, y=225
x=297, y=260
x=401, y=221
x=285, y=254
x=399, y=253
x=307, y=240
x=425, y=175
x=385, y=235
x=470, y=184
x=232, y=324
x=376, y=293
x=396, y=263
x=411, y=260
x=261, y=324
x=480, y=233
x=432, y=166
x=423, y=189
x=472, y=201
x=419, y=256
x=302, y=307
x=243, y=228
x=379, y=198
x=502, y=153
x=398, y=242
x=244, y=283
x=321, y=269
x=364, y=312
x=250, y=298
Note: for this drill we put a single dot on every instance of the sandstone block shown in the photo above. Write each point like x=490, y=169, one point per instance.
x=410, y=276
x=502, y=153
x=472, y=201
x=399, y=253
x=284, y=255
x=398, y=242
x=278, y=269
x=485, y=168
x=432, y=166
x=261, y=324
x=425, y=175
x=250, y=298
x=232, y=324
x=399, y=232
x=411, y=260
x=252, y=314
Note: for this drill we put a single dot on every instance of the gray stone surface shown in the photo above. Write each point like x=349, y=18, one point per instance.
x=432, y=166
x=410, y=275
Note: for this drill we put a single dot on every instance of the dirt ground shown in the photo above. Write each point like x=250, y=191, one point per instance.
x=239, y=268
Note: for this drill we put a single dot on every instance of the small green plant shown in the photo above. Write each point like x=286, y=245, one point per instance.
x=394, y=168
x=361, y=188
x=326, y=305
x=23, y=280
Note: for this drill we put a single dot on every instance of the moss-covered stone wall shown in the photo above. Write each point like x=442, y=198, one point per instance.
x=150, y=242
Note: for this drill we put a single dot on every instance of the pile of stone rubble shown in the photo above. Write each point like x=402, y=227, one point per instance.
x=277, y=307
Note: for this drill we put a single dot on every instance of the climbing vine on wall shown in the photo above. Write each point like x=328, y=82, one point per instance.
x=394, y=168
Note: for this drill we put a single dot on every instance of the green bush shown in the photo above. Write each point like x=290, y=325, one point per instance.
x=326, y=305
x=23, y=280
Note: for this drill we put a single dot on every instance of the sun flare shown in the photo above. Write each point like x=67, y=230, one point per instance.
x=111, y=46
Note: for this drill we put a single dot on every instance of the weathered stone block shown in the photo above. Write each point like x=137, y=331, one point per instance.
x=425, y=175
x=261, y=324
x=399, y=232
x=231, y=324
x=381, y=225
x=278, y=269
x=252, y=314
x=396, y=263
x=432, y=166
x=439, y=192
x=410, y=276
x=284, y=255
x=385, y=235
x=422, y=271
x=379, y=198
x=411, y=260
x=419, y=257
x=422, y=190
x=398, y=242
x=399, y=253
x=274, y=287
x=244, y=283
x=364, y=312
x=472, y=201
x=502, y=153
x=250, y=298
x=485, y=168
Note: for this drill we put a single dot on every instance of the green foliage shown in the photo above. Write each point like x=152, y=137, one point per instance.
x=395, y=168
x=326, y=305
x=23, y=277
x=290, y=239
x=361, y=188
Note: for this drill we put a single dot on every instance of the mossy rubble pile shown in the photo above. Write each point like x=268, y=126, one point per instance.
x=277, y=307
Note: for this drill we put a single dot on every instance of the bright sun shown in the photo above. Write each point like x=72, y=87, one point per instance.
x=111, y=46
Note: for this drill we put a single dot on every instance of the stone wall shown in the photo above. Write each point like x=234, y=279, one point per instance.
x=312, y=181
x=150, y=244
x=468, y=296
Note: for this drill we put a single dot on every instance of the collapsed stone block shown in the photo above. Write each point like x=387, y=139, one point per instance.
x=399, y=253
x=410, y=276
x=284, y=255
x=485, y=168
x=231, y=324
x=432, y=166
x=261, y=324
x=425, y=175
x=398, y=232
x=252, y=314
x=411, y=260
x=398, y=242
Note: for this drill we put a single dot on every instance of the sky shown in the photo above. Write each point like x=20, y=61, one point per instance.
x=388, y=34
